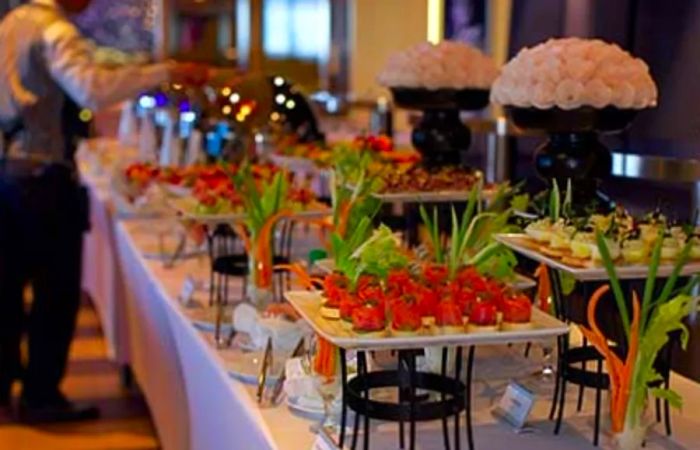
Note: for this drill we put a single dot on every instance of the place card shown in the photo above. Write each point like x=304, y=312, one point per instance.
x=324, y=441
x=187, y=292
x=515, y=405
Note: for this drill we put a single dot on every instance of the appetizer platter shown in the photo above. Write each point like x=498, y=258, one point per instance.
x=316, y=156
x=419, y=185
x=592, y=269
x=570, y=244
x=188, y=209
x=519, y=282
x=309, y=306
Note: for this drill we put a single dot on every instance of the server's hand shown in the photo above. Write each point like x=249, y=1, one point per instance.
x=189, y=73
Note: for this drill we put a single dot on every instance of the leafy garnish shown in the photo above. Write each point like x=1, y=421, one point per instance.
x=471, y=235
x=554, y=202
x=381, y=253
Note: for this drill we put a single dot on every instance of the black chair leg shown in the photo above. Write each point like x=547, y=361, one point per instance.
x=582, y=388
x=560, y=410
x=555, y=396
x=667, y=407
x=658, y=410
x=527, y=349
x=596, y=426
x=562, y=400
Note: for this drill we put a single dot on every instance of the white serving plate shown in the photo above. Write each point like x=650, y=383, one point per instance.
x=429, y=197
x=176, y=191
x=311, y=408
x=203, y=317
x=517, y=242
x=308, y=303
x=185, y=206
x=244, y=365
x=294, y=163
x=520, y=283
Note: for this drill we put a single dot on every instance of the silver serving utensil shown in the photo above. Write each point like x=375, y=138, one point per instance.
x=279, y=385
x=266, y=363
x=170, y=263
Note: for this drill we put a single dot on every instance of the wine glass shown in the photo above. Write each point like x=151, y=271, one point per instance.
x=327, y=384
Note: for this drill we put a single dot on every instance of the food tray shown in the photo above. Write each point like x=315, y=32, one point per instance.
x=308, y=304
x=184, y=207
x=294, y=163
x=520, y=283
x=522, y=244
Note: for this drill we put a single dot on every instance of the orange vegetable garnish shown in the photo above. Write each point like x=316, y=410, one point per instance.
x=620, y=373
x=305, y=278
x=544, y=287
x=325, y=360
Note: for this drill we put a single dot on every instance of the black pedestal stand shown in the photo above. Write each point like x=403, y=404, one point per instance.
x=573, y=151
x=440, y=136
x=448, y=397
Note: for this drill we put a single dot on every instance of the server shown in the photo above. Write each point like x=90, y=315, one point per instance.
x=46, y=76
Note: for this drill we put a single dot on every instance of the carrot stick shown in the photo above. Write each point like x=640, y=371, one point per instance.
x=544, y=286
x=621, y=374
x=263, y=252
x=343, y=218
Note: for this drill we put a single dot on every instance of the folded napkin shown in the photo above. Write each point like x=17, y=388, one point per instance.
x=284, y=333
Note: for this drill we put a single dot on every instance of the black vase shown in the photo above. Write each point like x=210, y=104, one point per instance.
x=579, y=157
x=573, y=151
x=440, y=136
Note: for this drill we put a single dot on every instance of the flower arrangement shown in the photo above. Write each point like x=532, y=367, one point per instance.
x=572, y=72
x=448, y=64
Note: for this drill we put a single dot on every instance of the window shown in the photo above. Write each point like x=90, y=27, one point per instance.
x=296, y=29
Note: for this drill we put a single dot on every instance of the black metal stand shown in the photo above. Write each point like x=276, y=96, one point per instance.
x=448, y=397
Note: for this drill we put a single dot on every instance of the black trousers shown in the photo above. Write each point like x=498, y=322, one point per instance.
x=43, y=215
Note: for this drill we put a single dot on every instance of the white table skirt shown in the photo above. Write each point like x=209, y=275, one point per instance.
x=102, y=279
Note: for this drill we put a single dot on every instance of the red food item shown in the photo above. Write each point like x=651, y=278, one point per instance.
x=348, y=304
x=484, y=314
x=170, y=175
x=368, y=318
x=406, y=317
x=464, y=297
x=428, y=301
x=468, y=275
x=334, y=286
x=380, y=143
x=448, y=314
x=435, y=274
x=141, y=174
x=302, y=195
x=517, y=309
x=398, y=278
x=493, y=291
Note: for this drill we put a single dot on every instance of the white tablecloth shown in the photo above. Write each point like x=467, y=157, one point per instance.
x=102, y=279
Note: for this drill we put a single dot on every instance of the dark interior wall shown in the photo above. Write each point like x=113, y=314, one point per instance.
x=666, y=37
x=535, y=22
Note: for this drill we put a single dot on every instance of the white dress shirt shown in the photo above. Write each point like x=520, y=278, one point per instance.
x=43, y=57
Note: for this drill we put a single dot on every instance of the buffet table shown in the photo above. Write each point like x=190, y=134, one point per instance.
x=195, y=402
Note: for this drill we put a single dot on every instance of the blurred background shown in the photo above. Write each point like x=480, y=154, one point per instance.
x=333, y=49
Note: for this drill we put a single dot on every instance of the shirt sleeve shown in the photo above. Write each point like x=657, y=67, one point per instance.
x=69, y=56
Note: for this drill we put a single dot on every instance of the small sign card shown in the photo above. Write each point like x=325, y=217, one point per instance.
x=187, y=291
x=515, y=405
x=324, y=441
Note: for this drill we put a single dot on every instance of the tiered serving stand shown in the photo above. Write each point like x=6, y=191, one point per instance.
x=449, y=391
x=590, y=277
